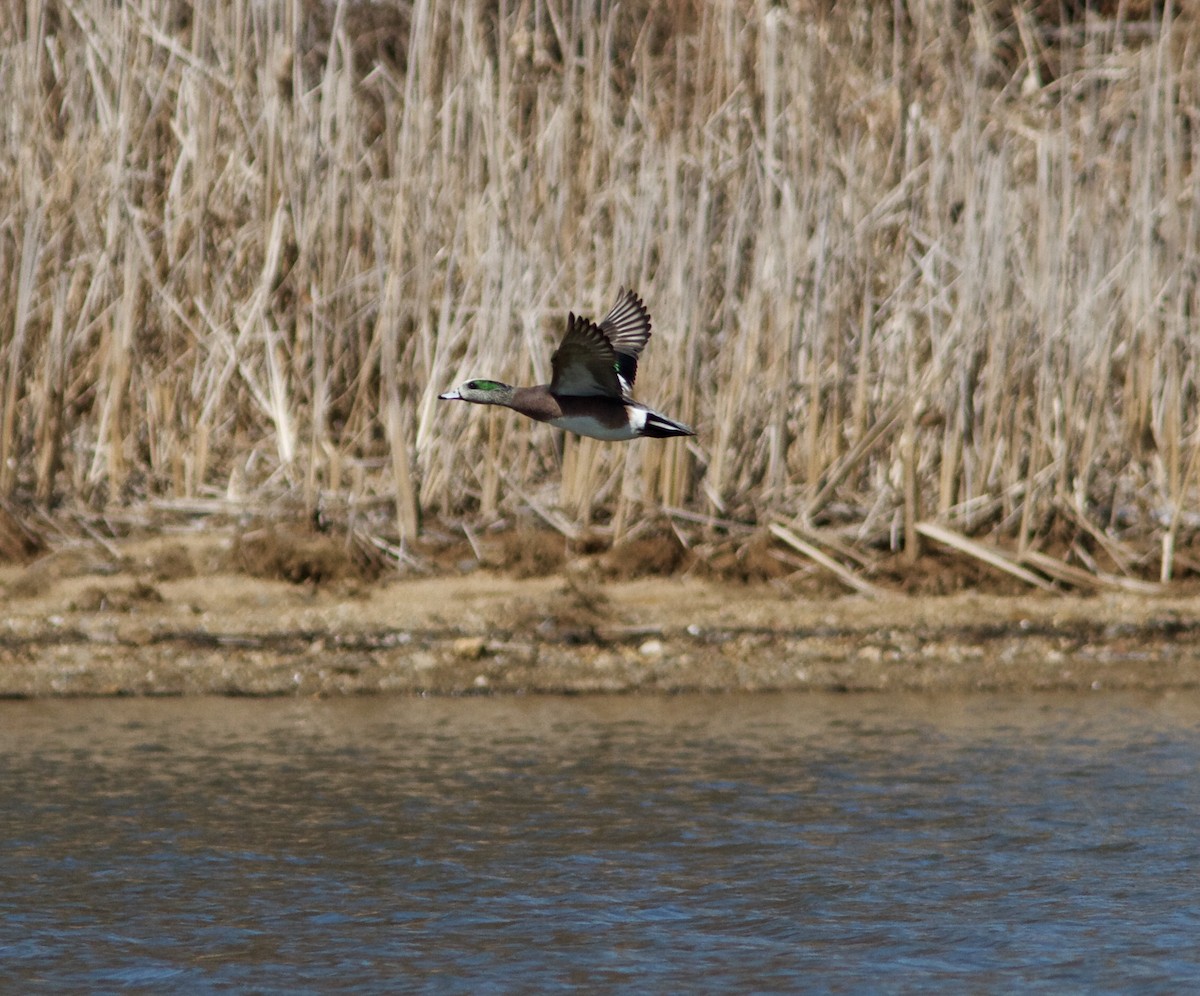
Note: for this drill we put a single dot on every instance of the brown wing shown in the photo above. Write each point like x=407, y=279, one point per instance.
x=601, y=360
x=585, y=364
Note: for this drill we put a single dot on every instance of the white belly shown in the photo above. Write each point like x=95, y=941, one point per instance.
x=585, y=425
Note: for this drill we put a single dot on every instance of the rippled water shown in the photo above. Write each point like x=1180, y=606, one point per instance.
x=807, y=842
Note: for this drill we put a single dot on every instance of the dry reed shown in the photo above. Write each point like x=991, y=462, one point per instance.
x=908, y=263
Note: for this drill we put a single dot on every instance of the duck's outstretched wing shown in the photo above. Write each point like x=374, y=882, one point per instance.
x=585, y=364
x=601, y=360
x=627, y=326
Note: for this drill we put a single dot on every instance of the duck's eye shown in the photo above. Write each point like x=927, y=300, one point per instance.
x=483, y=385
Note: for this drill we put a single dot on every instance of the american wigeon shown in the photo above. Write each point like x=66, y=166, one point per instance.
x=593, y=372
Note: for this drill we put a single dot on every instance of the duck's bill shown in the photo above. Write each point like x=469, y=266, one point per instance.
x=451, y=396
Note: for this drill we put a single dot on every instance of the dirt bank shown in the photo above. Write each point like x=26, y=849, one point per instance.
x=172, y=616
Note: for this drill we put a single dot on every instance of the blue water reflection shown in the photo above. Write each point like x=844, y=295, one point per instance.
x=823, y=843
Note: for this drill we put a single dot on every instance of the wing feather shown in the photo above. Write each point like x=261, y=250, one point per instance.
x=601, y=360
x=627, y=326
x=584, y=365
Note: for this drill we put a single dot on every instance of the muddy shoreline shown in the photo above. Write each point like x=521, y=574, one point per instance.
x=1075, y=657
x=90, y=625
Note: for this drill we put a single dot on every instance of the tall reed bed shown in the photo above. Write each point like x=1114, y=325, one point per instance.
x=916, y=263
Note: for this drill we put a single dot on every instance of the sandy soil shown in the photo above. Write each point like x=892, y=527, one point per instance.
x=172, y=616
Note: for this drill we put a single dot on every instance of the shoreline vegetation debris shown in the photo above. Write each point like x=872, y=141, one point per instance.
x=206, y=613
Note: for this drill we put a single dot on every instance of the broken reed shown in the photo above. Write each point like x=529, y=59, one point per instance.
x=935, y=268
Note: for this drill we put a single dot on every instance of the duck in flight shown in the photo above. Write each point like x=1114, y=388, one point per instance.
x=590, y=387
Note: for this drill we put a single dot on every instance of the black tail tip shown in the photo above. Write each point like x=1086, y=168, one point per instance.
x=659, y=427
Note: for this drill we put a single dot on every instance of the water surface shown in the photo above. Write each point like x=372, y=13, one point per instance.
x=823, y=843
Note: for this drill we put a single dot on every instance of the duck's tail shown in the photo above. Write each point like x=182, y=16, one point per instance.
x=659, y=426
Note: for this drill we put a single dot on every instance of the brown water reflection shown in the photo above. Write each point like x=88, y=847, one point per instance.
x=693, y=842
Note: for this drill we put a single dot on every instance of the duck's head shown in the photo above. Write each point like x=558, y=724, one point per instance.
x=481, y=392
